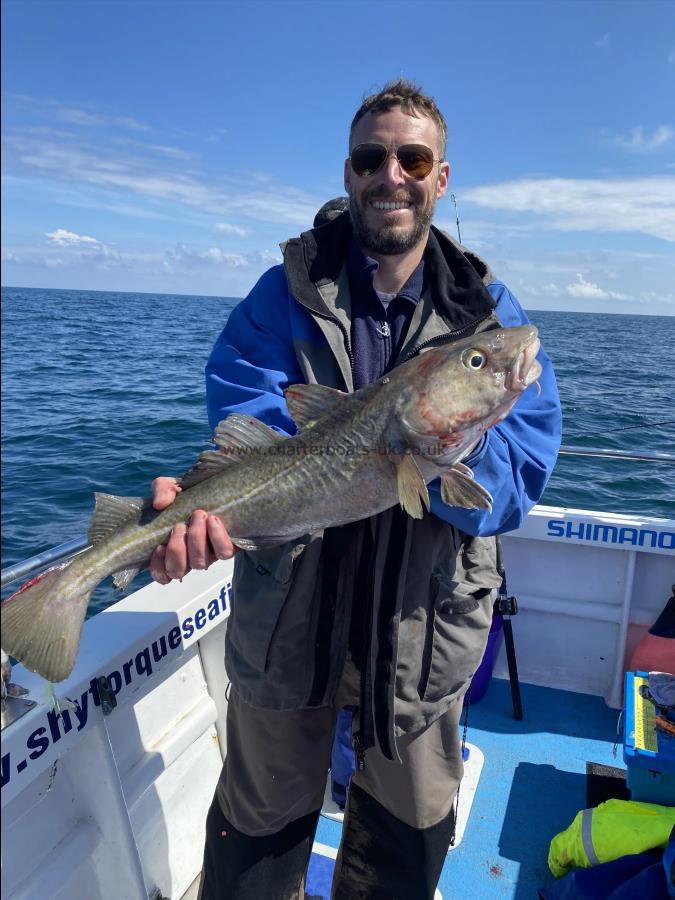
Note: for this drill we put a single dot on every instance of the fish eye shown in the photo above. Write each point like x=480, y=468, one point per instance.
x=474, y=359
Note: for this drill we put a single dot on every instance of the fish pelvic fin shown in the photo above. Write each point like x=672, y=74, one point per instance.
x=459, y=488
x=412, y=489
x=124, y=577
x=39, y=633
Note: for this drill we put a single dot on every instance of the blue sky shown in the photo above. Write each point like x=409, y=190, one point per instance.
x=170, y=146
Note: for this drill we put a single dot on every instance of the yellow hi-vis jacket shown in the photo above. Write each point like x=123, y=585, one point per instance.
x=612, y=829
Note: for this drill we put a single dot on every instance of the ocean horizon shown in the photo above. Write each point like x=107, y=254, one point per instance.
x=106, y=396
x=238, y=299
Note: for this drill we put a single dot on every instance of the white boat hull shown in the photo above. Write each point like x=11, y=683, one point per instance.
x=113, y=806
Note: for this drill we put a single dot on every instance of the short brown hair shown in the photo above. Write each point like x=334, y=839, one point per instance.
x=409, y=97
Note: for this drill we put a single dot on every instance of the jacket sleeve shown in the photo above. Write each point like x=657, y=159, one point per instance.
x=253, y=360
x=515, y=458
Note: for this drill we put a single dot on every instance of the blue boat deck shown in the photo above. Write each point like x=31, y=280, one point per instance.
x=532, y=784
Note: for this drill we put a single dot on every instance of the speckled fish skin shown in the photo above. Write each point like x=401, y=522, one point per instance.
x=354, y=456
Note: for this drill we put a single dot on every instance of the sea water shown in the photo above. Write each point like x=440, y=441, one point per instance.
x=104, y=391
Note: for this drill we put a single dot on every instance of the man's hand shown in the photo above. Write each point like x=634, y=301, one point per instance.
x=189, y=547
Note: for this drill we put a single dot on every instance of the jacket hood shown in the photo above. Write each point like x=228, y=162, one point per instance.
x=459, y=277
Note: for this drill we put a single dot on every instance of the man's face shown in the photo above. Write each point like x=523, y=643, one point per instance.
x=394, y=231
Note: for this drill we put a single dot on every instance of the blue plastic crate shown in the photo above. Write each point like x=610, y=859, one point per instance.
x=649, y=754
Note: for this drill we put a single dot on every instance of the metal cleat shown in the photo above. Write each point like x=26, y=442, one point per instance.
x=12, y=706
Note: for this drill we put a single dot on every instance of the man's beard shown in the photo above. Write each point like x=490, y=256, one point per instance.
x=389, y=240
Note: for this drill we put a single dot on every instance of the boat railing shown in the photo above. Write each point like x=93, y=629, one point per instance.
x=72, y=548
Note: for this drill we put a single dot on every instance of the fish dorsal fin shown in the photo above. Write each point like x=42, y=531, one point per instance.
x=412, y=489
x=308, y=402
x=238, y=433
x=112, y=512
x=237, y=437
x=208, y=463
x=458, y=488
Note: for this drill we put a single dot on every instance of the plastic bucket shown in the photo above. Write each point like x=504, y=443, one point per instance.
x=481, y=679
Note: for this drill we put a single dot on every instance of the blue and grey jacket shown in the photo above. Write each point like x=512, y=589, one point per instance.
x=420, y=590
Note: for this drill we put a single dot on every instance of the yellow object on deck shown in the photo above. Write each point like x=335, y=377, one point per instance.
x=611, y=830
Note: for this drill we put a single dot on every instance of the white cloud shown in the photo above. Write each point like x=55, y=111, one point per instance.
x=74, y=162
x=603, y=42
x=163, y=149
x=184, y=256
x=130, y=122
x=587, y=290
x=551, y=289
x=81, y=246
x=645, y=205
x=78, y=117
x=216, y=135
x=63, y=238
x=80, y=253
x=226, y=228
x=639, y=141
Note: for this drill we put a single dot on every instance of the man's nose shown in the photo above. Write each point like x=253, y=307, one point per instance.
x=392, y=171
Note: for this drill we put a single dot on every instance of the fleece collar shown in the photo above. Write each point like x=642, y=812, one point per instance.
x=457, y=278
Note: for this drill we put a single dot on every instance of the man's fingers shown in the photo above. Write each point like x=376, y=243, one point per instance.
x=164, y=491
x=197, y=541
x=194, y=547
x=176, y=557
x=219, y=538
x=157, y=568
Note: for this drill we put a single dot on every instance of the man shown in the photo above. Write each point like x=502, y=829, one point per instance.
x=389, y=614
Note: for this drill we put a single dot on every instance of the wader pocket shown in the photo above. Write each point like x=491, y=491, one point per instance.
x=262, y=579
x=458, y=628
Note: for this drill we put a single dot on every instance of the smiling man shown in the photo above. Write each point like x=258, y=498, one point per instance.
x=389, y=615
x=394, y=175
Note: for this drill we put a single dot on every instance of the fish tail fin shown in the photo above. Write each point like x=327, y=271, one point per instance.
x=41, y=635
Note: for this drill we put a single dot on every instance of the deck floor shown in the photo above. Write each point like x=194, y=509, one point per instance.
x=532, y=785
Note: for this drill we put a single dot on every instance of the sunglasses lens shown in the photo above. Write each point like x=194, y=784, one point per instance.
x=416, y=159
x=367, y=158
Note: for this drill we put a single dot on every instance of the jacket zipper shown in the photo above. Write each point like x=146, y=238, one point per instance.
x=344, y=334
x=359, y=751
x=442, y=338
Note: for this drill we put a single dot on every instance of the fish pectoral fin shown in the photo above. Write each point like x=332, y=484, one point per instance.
x=459, y=488
x=124, y=577
x=412, y=489
x=112, y=512
x=308, y=402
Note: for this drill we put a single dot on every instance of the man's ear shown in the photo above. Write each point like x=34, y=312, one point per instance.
x=347, y=177
x=443, y=179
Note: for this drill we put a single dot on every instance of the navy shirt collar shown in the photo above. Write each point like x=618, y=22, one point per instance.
x=362, y=271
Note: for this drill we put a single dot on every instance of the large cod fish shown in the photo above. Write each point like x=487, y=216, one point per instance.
x=354, y=456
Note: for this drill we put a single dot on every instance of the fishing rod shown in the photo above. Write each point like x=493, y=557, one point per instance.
x=647, y=455
x=454, y=201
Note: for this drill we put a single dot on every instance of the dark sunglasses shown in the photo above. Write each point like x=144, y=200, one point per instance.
x=415, y=159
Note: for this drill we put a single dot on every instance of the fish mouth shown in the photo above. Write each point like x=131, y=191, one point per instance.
x=525, y=369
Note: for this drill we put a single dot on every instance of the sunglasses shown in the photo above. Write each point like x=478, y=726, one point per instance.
x=415, y=159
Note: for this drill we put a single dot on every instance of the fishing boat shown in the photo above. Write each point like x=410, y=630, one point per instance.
x=107, y=777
